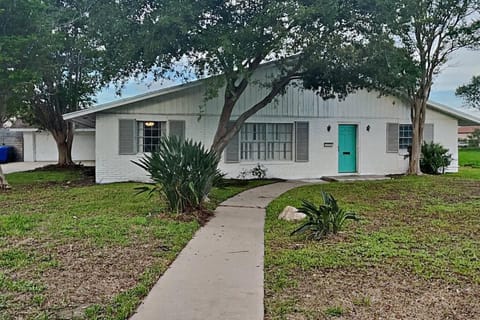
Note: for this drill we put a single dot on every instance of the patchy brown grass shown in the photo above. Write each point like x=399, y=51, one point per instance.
x=70, y=249
x=414, y=255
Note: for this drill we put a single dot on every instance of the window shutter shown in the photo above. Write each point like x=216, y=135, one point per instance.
x=392, y=137
x=177, y=128
x=126, y=135
x=301, y=141
x=232, y=149
x=428, y=132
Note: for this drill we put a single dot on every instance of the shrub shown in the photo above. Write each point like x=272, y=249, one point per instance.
x=183, y=171
x=435, y=158
x=325, y=219
x=257, y=172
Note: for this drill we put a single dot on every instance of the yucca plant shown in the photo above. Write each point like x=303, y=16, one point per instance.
x=325, y=219
x=435, y=158
x=183, y=171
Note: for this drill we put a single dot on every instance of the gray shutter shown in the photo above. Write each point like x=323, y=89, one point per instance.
x=301, y=141
x=428, y=132
x=177, y=128
x=392, y=137
x=232, y=150
x=126, y=133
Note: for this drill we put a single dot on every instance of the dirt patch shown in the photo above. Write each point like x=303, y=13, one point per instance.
x=201, y=216
x=86, y=275
x=379, y=293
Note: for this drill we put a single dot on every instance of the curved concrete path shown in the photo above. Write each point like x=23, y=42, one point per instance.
x=219, y=274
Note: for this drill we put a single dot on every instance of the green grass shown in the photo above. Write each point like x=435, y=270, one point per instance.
x=335, y=311
x=39, y=176
x=427, y=227
x=469, y=157
x=49, y=219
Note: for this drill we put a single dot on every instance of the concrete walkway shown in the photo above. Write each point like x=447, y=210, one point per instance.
x=219, y=274
x=30, y=165
x=23, y=166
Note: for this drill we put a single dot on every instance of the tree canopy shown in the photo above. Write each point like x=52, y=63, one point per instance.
x=56, y=62
x=470, y=92
x=315, y=42
x=20, y=44
x=419, y=38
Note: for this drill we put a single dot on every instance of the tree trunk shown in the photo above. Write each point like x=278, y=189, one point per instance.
x=225, y=132
x=419, y=107
x=3, y=181
x=64, y=140
x=221, y=143
x=64, y=155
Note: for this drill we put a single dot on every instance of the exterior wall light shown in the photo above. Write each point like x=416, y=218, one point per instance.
x=329, y=127
x=368, y=128
x=149, y=124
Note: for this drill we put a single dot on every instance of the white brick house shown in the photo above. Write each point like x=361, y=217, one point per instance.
x=300, y=135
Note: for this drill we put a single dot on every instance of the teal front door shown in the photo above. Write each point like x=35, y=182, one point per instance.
x=347, y=148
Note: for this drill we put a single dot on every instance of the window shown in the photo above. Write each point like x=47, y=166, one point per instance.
x=149, y=134
x=405, y=136
x=266, y=141
x=399, y=136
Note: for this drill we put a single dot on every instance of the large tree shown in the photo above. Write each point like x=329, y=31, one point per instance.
x=420, y=37
x=20, y=24
x=72, y=70
x=56, y=63
x=231, y=39
x=470, y=92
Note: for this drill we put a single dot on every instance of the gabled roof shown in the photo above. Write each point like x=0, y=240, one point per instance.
x=85, y=117
x=81, y=116
x=464, y=119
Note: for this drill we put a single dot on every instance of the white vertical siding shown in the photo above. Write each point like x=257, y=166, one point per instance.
x=40, y=146
x=362, y=109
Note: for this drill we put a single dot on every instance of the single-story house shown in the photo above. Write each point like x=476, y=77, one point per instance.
x=464, y=133
x=298, y=136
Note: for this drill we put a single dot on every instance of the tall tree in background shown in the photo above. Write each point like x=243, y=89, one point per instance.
x=470, y=92
x=20, y=25
x=51, y=64
x=421, y=37
x=231, y=39
x=70, y=73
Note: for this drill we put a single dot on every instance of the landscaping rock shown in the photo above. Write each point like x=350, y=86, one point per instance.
x=291, y=214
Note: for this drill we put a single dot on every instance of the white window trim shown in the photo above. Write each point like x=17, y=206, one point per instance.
x=273, y=161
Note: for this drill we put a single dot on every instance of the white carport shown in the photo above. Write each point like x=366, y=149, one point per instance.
x=39, y=145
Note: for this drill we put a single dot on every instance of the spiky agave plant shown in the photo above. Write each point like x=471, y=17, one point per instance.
x=324, y=219
x=183, y=171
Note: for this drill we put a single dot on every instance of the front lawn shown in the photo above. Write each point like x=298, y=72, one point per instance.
x=469, y=157
x=72, y=249
x=415, y=254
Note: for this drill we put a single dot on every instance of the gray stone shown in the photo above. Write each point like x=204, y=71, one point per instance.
x=291, y=214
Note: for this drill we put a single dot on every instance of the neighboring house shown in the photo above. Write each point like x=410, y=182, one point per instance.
x=299, y=136
x=464, y=133
x=39, y=145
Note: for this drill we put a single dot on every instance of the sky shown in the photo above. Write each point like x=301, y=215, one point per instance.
x=458, y=71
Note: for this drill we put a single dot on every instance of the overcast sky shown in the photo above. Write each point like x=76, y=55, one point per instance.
x=459, y=70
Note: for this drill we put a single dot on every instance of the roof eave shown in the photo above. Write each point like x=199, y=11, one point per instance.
x=464, y=119
x=130, y=100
